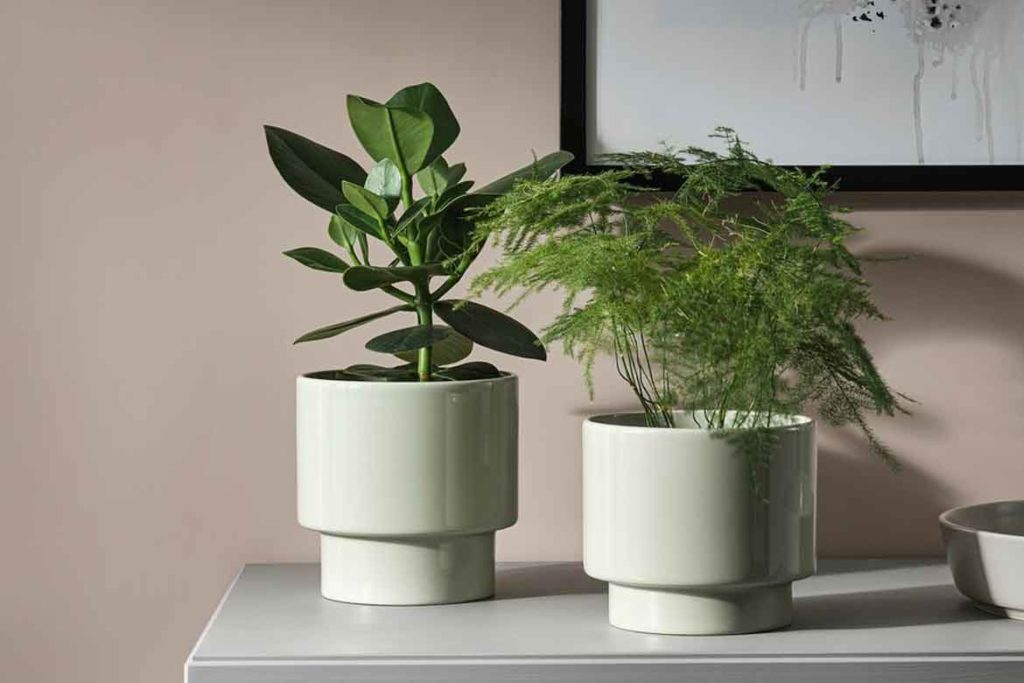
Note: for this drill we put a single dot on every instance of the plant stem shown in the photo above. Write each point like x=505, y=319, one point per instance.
x=415, y=255
x=425, y=316
x=399, y=294
x=406, y=189
x=424, y=302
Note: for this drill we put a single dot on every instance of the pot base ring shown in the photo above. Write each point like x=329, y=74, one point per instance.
x=407, y=571
x=711, y=611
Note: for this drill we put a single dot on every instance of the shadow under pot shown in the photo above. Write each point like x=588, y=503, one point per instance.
x=698, y=532
x=406, y=482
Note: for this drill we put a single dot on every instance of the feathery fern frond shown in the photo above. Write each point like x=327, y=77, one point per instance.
x=739, y=314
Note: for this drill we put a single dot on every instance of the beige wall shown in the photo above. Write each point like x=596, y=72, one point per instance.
x=146, y=387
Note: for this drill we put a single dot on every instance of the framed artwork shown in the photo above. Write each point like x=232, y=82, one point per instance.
x=891, y=94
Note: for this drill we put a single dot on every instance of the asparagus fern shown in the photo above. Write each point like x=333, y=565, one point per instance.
x=739, y=310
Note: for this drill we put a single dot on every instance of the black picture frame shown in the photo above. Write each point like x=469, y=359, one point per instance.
x=573, y=135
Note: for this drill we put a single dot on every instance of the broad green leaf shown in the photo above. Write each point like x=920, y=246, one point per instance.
x=452, y=193
x=408, y=338
x=385, y=181
x=317, y=259
x=366, y=201
x=455, y=172
x=338, y=328
x=541, y=169
x=375, y=373
x=397, y=133
x=332, y=375
x=369, y=373
x=410, y=215
x=342, y=232
x=434, y=178
x=463, y=206
x=453, y=222
x=489, y=328
x=414, y=210
x=451, y=349
x=346, y=235
x=468, y=371
x=454, y=234
x=426, y=98
x=314, y=171
x=364, y=278
x=358, y=219
x=461, y=203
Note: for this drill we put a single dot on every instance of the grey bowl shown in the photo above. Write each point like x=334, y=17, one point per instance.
x=985, y=551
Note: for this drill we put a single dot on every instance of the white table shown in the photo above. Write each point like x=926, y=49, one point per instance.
x=857, y=620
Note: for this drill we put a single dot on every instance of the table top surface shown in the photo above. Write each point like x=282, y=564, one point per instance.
x=851, y=609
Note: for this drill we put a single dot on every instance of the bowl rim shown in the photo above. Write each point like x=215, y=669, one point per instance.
x=944, y=518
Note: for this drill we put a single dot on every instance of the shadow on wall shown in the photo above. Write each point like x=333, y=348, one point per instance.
x=863, y=508
x=933, y=293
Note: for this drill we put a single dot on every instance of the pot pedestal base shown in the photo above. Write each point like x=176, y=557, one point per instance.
x=713, y=611
x=407, y=571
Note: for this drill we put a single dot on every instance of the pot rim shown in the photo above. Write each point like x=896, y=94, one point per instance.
x=307, y=377
x=609, y=421
x=945, y=519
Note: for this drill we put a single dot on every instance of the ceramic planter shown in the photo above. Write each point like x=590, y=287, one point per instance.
x=406, y=483
x=688, y=545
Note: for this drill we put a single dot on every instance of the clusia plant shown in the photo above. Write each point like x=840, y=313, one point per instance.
x=428, y=237
x=407, y=471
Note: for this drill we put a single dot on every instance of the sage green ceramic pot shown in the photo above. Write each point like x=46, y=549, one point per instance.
x=688, y=544
x=407, y=483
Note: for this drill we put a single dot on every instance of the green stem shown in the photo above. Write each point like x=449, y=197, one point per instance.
x=399, y=294
x=406, y=192
x=424, y=316
x=424, y=302
x=415, y=255
x=406, y=188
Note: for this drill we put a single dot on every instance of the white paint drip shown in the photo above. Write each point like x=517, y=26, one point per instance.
x=810, y=10
x=990, y=31
x=1018, y=121
x=839, y=49
x=953, y=77
x=805, y=27
x=918, y=128
x=979, y=100
x=986, y=93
